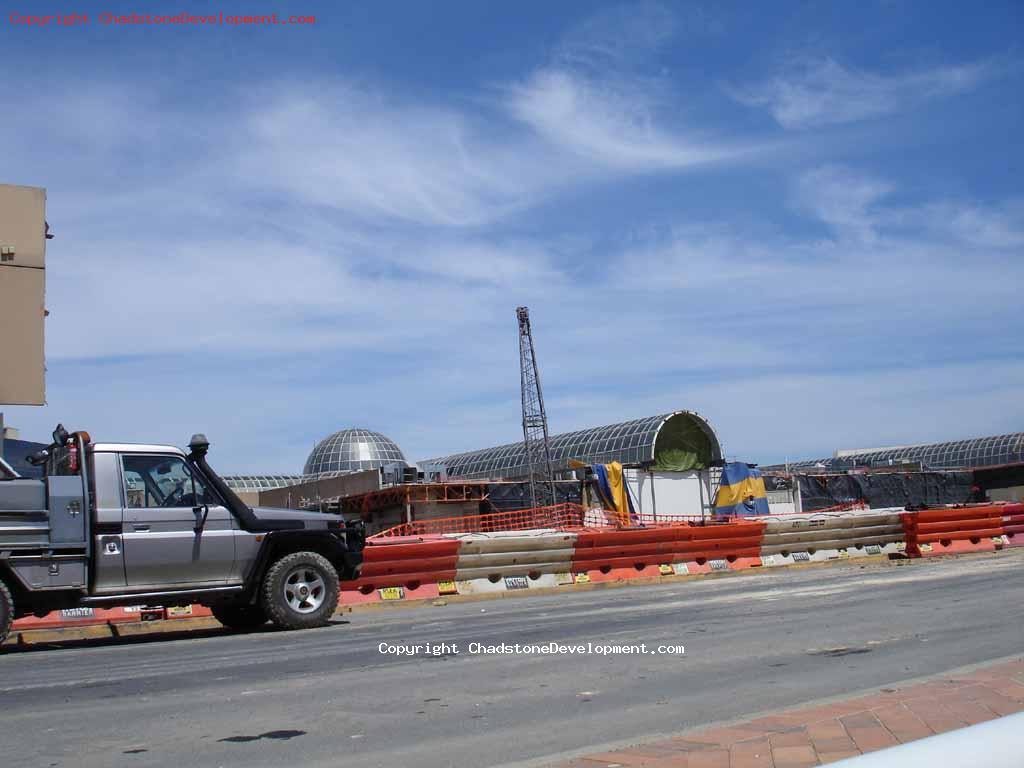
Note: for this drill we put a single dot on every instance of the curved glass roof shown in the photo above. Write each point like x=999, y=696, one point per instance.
x=957, y=454
x=680, y=440
x=260, y=482
x=351, y=450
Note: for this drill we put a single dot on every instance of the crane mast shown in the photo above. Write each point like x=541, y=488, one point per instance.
x=535, y=421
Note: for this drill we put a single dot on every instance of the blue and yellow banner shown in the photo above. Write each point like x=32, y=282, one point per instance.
x=611, y=486
x=741, y=492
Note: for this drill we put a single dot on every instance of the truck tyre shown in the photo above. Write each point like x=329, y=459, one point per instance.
x=240, y=616
x=300, y=591
x=6, y=611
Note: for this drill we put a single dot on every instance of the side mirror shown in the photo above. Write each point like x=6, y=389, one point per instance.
x=38, y=459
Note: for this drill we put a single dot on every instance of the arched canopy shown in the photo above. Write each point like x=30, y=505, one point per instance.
x=260, y=482
x=673, y=441
x=956, y=454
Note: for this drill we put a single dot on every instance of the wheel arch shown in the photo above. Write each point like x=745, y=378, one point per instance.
x=285, y=543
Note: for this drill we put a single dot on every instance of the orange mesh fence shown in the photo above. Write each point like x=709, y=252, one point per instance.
x=557, y=516
x=562, y=517
x=844, y=507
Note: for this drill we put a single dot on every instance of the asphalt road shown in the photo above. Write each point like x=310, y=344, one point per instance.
x=330, y=698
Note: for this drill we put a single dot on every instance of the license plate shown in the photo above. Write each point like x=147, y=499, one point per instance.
x=582, y=578
x=180, y=610
x=873, y=549
x=76, y=613
x=768, y=560
x=801, y=557
x=665, y=570
x=447, y=588
x=719, y=565
x=516, y=582
x=392, y=593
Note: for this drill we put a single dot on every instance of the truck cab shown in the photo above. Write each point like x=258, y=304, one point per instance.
x=123, y=524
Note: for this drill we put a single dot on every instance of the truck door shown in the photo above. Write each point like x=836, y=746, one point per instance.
x=162, y=546
x=108, y=546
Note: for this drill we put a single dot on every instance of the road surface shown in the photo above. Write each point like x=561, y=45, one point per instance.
x=330, y=698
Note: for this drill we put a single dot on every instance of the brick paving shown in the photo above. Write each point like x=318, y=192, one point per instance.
x=816, y=735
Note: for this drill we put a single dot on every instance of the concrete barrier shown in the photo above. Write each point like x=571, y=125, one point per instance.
x=399, y=569
x=821, y=536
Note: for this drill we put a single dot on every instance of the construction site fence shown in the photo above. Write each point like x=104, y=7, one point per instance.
x=560, y=517
x=846, y=506
x=519, y=551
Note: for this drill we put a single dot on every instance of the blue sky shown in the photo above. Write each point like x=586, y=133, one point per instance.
x=804, y=222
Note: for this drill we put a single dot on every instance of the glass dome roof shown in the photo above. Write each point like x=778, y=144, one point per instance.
x=352, y=450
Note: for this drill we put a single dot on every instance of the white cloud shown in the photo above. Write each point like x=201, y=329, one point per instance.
x=883, y=287
x=480, y=261
x=270, y=268
x=618, y=35
x=999, y=226
x=340, y=146
x=843, y=199
x=609, y=123
x=854, y=206
x=812, y=413
x=814, y=92
x=597, y=102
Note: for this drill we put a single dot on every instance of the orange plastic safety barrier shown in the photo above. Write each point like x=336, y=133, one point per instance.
x=602, y=550
x=78, y=617
x=411, y=580
x=406, y=563
x=90, y=617
x=1013, y=524
x=974, y=526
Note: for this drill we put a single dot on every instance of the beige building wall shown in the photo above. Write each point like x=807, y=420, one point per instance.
x=250, y=498
x=294, y=496
x=22, y=295
x=1014, y=493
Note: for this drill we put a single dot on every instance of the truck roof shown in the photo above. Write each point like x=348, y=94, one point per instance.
x=136, y=448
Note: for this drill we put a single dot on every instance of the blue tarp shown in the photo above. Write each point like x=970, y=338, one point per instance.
x=741, y=492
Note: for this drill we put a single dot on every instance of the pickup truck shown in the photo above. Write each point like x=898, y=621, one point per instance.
x=114, y=524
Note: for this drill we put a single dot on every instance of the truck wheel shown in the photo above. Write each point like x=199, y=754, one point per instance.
x=240, y=616
x=300, y=591
x=6, y=611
